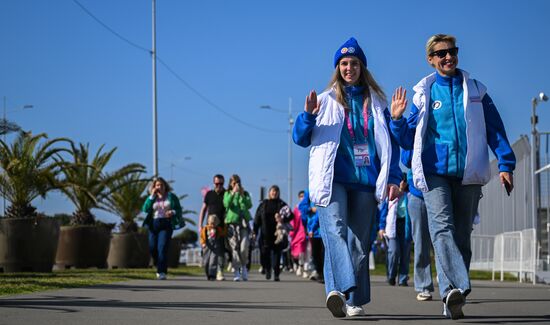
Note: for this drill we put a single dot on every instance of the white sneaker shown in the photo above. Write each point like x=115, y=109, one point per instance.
x=229, y=267
x=245, y=274
x=314, y=276
x=299, y=270
x=305, y=275
x=424, y=296
x=237, y=277
x=452, y=308
x=158, y=275
x=336, y=303
x=162, y=276
x=219, y=276
x=354, y=311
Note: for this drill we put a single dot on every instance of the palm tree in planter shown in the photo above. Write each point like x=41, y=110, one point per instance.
x=129, y=247
x=28, y=241
x=87, y=185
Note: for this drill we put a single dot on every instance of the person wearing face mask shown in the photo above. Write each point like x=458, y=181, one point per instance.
x=353, y=163
x=452, y=122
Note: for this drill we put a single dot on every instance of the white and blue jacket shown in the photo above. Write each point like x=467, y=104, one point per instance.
x=323, y=132
x=460, y=149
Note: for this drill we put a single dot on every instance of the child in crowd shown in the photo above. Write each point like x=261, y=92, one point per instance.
x=212, y=242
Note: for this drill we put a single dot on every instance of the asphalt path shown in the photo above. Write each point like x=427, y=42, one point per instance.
x=194, y=300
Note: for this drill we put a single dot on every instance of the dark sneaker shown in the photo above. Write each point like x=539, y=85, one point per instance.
x=336, y=303
x=453, y=304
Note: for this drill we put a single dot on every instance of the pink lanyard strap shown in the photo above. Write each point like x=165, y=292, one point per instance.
x=365, y=124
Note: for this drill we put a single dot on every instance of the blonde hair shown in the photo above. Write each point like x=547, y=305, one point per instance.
x=438, y=38
x=234, y=179
x=213, y=219
x=366, y=80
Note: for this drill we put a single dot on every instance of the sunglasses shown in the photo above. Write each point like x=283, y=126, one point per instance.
x=218, y=184
x=453, y=51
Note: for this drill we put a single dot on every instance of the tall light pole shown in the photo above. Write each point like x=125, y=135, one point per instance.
x=154, y=57
x=290, y=123
x=535, y=202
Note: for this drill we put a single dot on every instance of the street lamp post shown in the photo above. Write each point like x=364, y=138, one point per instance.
x=535, y=202
x=290, y=123
x=154, y=57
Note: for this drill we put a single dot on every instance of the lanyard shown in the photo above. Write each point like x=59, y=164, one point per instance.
x=365, y=124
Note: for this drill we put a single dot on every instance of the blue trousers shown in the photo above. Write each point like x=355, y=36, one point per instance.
x=159, y=243
x=451, y=209
x=422, y=243
x=346, y=226
x=399, y=254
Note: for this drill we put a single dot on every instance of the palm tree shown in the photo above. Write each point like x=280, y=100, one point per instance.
x=186, y=212
x=8, y=127
x=29, y=170
x=126, y=199
x=87, y=184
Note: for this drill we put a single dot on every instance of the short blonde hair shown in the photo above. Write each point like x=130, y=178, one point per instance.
x=438, y=38
x=213, y=219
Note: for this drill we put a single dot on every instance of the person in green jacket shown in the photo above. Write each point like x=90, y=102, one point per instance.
x=164, y=214
x=237, y=202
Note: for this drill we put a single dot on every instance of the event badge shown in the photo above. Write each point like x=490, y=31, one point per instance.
x=361, y=153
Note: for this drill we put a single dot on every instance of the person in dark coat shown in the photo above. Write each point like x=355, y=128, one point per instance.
x=269, y=213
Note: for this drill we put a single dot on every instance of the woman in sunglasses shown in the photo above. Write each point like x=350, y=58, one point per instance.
x=353, y=163
x=451, y=123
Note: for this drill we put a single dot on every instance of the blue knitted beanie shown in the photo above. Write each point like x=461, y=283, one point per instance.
x=350, y=48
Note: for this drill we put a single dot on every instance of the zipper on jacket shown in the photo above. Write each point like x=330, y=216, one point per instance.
x=457, y=145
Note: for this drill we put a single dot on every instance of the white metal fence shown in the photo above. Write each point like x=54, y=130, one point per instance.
x=193, y=256
x=516, y=251
x=482, y=252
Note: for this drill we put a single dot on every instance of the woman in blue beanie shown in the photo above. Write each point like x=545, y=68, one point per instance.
x=353, y=163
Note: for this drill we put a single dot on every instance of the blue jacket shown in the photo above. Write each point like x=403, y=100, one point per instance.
x=463, y=154
x=309, y=218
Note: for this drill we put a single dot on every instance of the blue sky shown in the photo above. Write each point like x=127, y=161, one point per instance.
x=87, y=84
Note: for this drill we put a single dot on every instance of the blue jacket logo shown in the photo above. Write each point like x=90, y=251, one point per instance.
x=436, y=105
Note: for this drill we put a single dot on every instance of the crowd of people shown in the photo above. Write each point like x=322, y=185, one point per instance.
x=357, y=193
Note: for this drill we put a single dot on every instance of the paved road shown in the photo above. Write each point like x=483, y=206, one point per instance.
x=193, y=300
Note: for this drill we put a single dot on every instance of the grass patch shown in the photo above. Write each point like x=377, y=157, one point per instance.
x=27, y=282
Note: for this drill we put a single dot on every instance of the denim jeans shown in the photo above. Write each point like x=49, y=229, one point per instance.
x=346, y=226
x=422, y=243
x=399, y=254
x=451, y=208
x=159, y=243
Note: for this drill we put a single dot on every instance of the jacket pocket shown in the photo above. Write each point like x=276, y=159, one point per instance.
x=435, y=158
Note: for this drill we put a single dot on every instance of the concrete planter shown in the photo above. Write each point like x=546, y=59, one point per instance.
x=83, y=247
x=174, y=252
x=28, y=244
x=129, y=250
